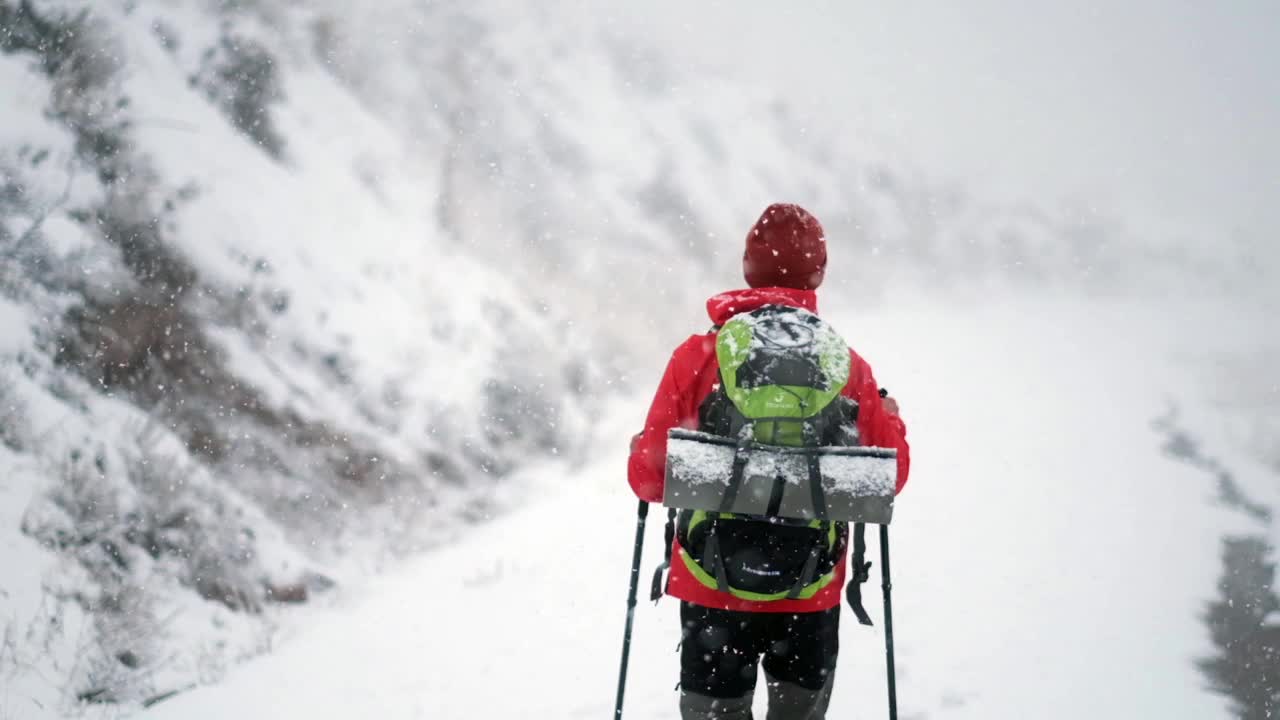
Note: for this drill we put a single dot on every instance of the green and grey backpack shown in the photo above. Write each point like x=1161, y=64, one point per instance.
x=782, y=370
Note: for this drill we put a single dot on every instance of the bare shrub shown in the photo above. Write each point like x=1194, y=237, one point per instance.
x=182, y=515
x=80, y=516
x=126, y=523
x=118, y=664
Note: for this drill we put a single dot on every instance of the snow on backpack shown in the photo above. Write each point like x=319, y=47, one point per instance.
x=766, y=484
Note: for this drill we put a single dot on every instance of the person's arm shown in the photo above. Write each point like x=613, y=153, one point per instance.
x=672, y=407
x=878, y=422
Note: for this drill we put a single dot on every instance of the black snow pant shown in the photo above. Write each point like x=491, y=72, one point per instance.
x=721, y=650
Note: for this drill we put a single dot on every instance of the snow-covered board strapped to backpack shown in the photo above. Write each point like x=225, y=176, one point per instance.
x=853, y=484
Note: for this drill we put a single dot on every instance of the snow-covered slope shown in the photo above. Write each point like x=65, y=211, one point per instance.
x=1051, y=561
x=288, y=289
x=231, y=353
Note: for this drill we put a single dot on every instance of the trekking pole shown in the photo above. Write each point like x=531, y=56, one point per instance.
x=887, y=584
x=641, y=513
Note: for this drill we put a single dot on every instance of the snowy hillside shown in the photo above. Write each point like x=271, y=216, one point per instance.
x=289, y=290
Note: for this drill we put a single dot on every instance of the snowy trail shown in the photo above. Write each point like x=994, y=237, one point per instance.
x=1049, y=561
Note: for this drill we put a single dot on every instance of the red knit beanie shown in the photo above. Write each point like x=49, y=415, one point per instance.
x=785, y=248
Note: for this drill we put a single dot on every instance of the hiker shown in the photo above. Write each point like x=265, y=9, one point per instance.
x=727, y=634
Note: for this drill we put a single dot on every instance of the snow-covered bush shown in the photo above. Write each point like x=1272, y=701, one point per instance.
x=239, y=75
x=14, y=432
x=1247, y=666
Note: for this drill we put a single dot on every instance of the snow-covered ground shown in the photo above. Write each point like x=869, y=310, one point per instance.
x=1050, y=560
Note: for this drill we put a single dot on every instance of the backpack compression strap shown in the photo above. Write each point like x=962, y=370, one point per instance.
x=716, y=557
x=806, y=575
x=861, y=573
x=741, y=456
x=817, y=496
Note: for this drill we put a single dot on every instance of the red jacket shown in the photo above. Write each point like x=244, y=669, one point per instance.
x=690, y=376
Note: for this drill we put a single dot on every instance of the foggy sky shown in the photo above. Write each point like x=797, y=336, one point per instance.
x=1164, y=112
